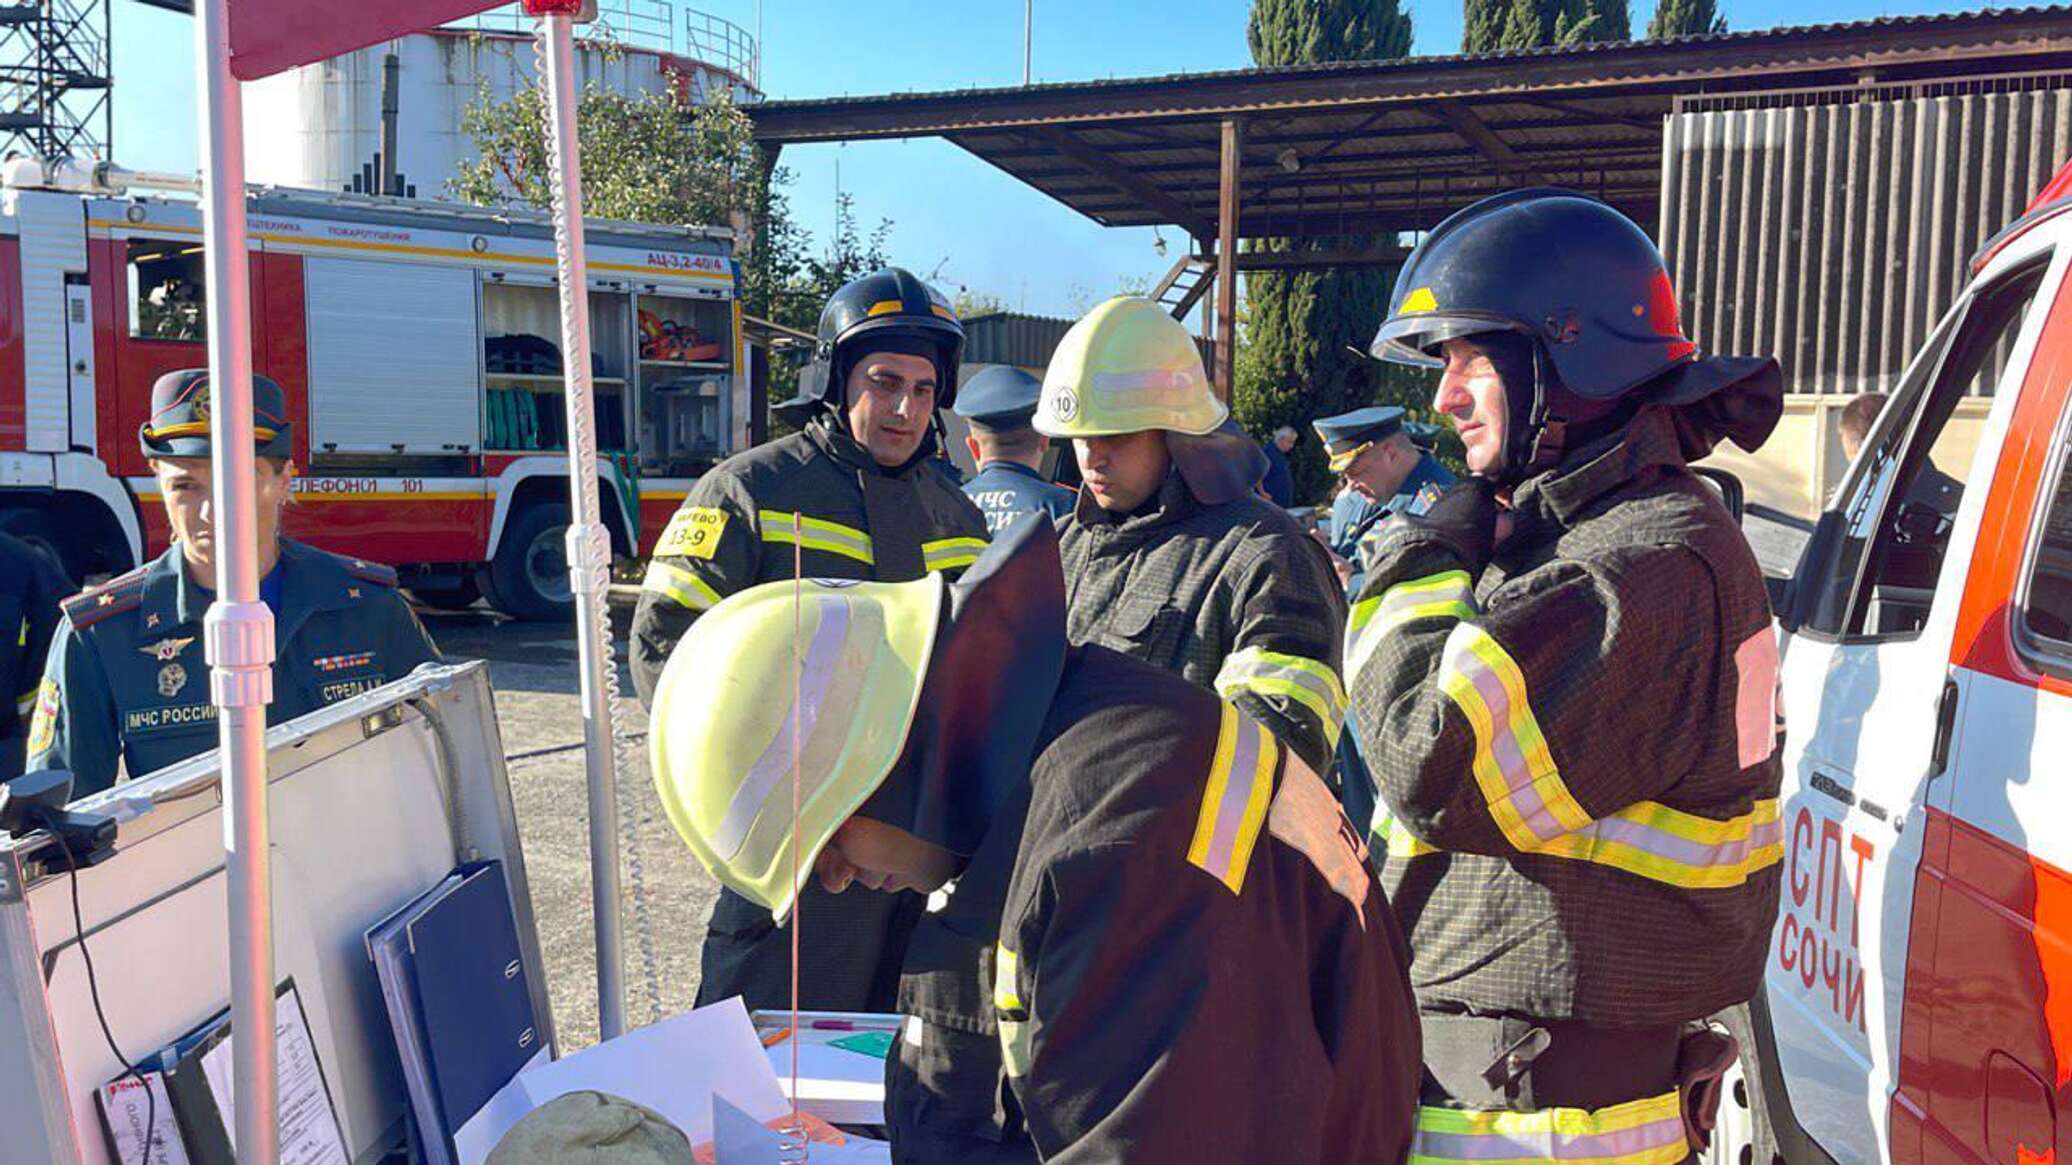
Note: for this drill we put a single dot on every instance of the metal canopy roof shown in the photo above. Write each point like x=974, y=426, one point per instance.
x=1370, y=147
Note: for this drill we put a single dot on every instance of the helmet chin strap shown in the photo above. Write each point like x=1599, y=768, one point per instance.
x=1538, y=444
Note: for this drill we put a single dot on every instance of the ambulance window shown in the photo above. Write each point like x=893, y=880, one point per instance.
x=1903, y=504
x=165, y=284
x=2045, y=625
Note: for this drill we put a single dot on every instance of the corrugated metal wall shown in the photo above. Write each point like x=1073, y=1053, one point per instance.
x=1832, y=229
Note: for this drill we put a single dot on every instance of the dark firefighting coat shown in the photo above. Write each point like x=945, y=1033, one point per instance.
x=813, y=501
x=31, y=587
x=1233, y=596
x=1171, y=945
x=1579, y=748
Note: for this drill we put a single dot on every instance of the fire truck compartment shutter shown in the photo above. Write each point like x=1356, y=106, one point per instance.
x=394, y=357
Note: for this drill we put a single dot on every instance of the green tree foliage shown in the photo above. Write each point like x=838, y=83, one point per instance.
x=647, y=159
x=1685, y=18
x=1510, y=25
x=1303, y=334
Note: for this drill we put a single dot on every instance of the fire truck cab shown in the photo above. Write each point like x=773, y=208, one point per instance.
x=1918, y=995
x=418, y=344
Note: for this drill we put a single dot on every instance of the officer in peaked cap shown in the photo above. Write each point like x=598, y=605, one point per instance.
x=1376, y=451
x=1000, y=405
x=1385, y=472
x=126, y=684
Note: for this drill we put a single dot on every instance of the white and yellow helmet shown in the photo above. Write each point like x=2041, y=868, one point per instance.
x=1125, y=367
x=840, y=664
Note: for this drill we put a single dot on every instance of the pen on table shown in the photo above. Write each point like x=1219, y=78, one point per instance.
x=776, y=1037
x=850, y=1025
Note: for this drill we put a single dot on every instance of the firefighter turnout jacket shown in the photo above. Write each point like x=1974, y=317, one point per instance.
x=1233, y=596
x=813, y=502
x=31, y=587
x=1578, y=750
x=1177, y=903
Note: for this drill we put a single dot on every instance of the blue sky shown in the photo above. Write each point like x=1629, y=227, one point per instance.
x=954, y=216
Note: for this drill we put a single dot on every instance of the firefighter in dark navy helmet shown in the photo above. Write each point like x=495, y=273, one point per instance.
x=1565, y=673
x=126, y=687
x=850, y=496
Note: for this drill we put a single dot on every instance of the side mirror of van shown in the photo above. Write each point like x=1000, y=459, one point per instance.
x=1731, y=493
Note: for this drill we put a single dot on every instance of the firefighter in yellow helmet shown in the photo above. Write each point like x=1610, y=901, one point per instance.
x=1171, y=555
x=1153, y=899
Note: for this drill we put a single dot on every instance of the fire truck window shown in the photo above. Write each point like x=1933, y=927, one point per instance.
x=2046, y=605
x=1901, y=508
x=165, y=282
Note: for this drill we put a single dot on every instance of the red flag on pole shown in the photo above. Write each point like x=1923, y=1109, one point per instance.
x=267, y=36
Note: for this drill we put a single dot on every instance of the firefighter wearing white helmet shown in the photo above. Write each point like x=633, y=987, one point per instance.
x=1151, y=894
x=1170, y=554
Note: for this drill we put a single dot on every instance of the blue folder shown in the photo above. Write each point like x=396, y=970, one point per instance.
x=453, y=976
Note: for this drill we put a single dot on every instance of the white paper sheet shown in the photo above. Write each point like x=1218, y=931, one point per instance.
x=125, y=1103
x=674, y=1067
x=839, y=1086
x=309, y=1133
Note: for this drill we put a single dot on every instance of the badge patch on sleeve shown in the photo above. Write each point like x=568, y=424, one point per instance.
x=43, y=727
x=693, y=533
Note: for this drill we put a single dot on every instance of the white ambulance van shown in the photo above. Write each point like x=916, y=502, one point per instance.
x=1918, y=996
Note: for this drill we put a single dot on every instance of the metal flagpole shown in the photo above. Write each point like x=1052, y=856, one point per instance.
x=239, y=627
x=589, y=547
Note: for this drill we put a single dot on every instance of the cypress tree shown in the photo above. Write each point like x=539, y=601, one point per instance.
x=1685, y=18
x=1293, y=364
x=1508, y=25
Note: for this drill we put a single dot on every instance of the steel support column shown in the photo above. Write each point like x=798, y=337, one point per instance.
x=1226, y=254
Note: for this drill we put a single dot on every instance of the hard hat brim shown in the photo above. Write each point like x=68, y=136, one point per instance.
x=708, y=707
x=1415, y=339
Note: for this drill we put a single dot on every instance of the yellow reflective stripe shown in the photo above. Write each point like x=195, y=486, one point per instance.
x=1234, y=800
x=1014, y=1047
x=1270, y=673
x=951, y=553
x=1667, y=845
x=1526, y=795
x=815, y=534
x=1448, y=594
x=1007, y=970
x=1012, y=1016
x=22, y=640
x=1399, y=841
x=687, y=590
x=1640, y=1132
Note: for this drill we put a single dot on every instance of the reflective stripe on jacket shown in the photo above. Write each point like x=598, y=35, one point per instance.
x=1577, y=750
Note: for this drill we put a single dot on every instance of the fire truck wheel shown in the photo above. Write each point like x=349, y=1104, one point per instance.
x=529, y=576
x=454, y=598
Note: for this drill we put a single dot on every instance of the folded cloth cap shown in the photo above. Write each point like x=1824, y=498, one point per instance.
x=593, y=1128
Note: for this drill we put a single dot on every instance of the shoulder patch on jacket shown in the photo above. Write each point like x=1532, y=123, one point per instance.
x=1307, y=817
x=119, y=594
x=1234, y=799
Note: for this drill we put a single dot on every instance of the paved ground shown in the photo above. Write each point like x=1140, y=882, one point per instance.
x=666, y=895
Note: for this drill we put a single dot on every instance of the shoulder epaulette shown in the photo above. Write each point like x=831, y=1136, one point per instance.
x=121, y=593
x=366, y=571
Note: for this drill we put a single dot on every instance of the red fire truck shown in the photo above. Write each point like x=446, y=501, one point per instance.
x=418, y=345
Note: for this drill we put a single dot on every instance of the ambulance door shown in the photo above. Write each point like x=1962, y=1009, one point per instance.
x=1986, y=1075
x=1866, y=684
